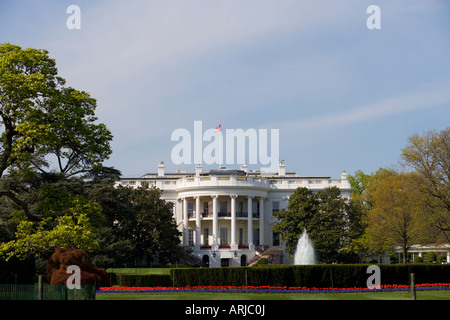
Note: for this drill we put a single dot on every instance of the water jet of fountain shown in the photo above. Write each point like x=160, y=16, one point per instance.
x=304, y=254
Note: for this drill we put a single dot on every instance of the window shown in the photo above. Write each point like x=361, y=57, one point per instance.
x=206, y=237
x=243, y=260
x=190, y=206
x=240, y=206
x=205, y=260
x=275, y=206
x=223, y=236
x=223, y=207
x=205, y=209
x=256, y=237
x=276, y=239
x=191, y=237
x=255, y=209
x=224, y=262
x=241, y=236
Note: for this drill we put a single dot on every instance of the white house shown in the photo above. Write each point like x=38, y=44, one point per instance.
x=225, y=215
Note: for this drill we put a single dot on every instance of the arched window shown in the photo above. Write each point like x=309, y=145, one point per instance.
x=243, y=260
x=205, y=260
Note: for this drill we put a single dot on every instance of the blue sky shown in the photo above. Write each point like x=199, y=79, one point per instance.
x=342, y=96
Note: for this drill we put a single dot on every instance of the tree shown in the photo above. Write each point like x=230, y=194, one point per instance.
x=112, y=250
x=120, y=226
x=40, y=117
x=396, y=218
x=361, y=203
x=322, y=214
x=329, y=225
x=295, y=218
x=359, y=182
x=149, y=224
x=69, y=230
x=116, y=247
x=429, y=156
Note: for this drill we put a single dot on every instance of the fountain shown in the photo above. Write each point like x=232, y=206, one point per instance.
x=304, y=254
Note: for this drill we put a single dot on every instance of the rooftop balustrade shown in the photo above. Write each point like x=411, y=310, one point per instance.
x=270, y=183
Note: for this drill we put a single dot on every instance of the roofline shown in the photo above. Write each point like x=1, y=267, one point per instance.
x=193, y=174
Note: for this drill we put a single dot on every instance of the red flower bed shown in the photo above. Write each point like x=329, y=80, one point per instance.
x=273, y=289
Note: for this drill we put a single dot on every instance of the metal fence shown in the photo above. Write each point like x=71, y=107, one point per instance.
x=45, y=291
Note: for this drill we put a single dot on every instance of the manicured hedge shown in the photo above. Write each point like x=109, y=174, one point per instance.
x=338, y=276
x=424, y=273
x=144, y=280
x=320, y=276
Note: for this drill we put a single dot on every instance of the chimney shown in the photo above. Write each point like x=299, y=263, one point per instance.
x=244, y=167
x=198, y=169
x=281, y=169
x=161, y=169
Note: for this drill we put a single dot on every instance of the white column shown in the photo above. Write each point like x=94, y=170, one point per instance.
x=250, y=223
x=261, y=222
x=197, y=223
x=185, y=222
x=215, y=245
x=233, y=244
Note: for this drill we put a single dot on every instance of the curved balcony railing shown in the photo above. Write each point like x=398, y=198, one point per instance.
x=219, y=181
x=209, y=214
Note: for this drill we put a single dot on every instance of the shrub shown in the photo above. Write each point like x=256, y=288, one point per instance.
x=262, y=261
x=56, y=269
x=431, y=256
x=418, y=259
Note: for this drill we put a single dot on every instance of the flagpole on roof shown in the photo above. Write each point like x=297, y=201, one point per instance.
x=221, y=143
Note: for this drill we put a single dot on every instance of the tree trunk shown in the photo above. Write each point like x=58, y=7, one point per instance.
x=404, y=255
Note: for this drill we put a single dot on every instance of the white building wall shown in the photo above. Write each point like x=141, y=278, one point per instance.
x=265, y=189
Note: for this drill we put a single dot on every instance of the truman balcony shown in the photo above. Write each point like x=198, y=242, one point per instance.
x=209, y=214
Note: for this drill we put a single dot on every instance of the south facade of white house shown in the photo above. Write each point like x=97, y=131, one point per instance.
x=226, y=215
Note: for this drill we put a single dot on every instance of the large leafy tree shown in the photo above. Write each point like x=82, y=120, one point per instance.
x=45, y=125
x=397, y=217
x=129, y=223
x=148, y=222
x=361, y=203
x=70, y=229
x=329, y=225
x=322, y=214
x=429, y=156
x=293, y=220
x=48, y=133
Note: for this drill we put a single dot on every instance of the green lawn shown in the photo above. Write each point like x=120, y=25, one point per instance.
x=400, y=295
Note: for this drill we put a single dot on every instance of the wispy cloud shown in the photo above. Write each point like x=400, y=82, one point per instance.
x=421, y=98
